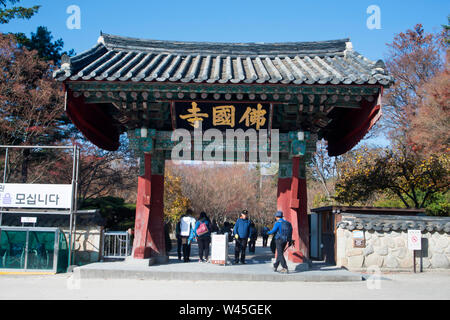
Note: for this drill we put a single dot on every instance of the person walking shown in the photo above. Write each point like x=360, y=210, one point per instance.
x=283, y=235
x=252, y=238
x=264, y=235
x=168, y=241
x=178, y=236
x=241, y=233
x=202, y=231
x=187, y=224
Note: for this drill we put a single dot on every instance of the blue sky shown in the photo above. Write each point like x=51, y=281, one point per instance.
x=236, y=21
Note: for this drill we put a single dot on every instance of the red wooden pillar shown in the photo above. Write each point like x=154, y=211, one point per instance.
x=149, y=223
x=155, y=238
x=293, y=202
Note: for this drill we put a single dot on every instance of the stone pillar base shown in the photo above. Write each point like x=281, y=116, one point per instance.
x=147, y=261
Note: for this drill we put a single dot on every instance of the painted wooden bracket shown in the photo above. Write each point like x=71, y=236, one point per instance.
x=146, y=200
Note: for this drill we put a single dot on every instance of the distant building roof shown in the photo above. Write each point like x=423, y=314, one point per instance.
x=370, y=210
x=116, y=58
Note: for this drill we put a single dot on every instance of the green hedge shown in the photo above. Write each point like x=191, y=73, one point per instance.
x=118, y=214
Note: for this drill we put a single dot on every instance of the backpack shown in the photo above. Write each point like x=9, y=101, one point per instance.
x=202, y=229
x=285, y=233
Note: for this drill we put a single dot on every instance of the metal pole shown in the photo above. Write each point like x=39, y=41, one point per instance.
x=72, y=205
x=5, y=170
x=36, y=147
x=421, y=261
x=76, y=200
x=414, y=260
x=6, y=166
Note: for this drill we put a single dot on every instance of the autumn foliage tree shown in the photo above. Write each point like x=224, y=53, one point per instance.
x=175, y=203
x=399, y=172
x=430, y=127
x=224, y=190
x=31, y=102
x=414, y=59
x=415, y=168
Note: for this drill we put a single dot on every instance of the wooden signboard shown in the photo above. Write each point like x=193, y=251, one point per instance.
x=222, y=116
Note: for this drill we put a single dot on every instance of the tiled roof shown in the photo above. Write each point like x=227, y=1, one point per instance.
x=117, y=58
x=387, y=223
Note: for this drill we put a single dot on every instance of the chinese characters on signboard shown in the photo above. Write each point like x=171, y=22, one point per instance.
x=222, y=116
x=55, y=196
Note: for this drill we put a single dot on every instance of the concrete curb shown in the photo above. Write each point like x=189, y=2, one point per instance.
x=311, y=276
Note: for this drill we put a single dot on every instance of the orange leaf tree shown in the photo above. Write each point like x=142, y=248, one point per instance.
x=412, y=178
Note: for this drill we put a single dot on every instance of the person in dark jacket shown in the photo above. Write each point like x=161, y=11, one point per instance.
x=241, y=233
x=273, y=247
x=226, y=228
x=178, y=236
x=264, y=235
x=204, y=239
x=280, y=244
x=214, y=226
x=253, y=237
x=168, y=241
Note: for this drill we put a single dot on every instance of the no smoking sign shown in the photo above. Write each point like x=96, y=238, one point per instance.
x=414, y=240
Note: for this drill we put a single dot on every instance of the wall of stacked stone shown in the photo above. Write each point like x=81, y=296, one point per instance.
x=388, y=250
x=87, y=244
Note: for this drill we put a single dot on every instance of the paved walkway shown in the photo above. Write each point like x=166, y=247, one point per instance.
x=403, y=286
x=423, y=286
x=258, y=267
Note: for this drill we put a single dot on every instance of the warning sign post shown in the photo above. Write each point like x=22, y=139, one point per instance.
x=415, y=243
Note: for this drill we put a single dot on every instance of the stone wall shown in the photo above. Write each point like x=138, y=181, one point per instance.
x=87, y=244
x=387, y=249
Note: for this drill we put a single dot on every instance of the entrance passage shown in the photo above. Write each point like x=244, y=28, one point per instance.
x=305, y=91
x=29, y=249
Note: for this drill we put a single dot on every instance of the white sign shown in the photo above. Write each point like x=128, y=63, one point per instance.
x=414, y=240
x=28, y=219
x=55, y=196
x=358, y=234
x=219, y=248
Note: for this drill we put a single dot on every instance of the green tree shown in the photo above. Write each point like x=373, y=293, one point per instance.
x=41, y=41
x=8, y=13
x=118, y=215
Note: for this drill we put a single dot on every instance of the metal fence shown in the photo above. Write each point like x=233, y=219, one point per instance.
x=116, y=245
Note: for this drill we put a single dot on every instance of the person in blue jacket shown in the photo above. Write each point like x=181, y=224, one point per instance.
x=241, y=233
x=203, y=239
x=280, y=244
x=265, y=236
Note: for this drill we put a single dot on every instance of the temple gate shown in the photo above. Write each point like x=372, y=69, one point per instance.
x=306, y=90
